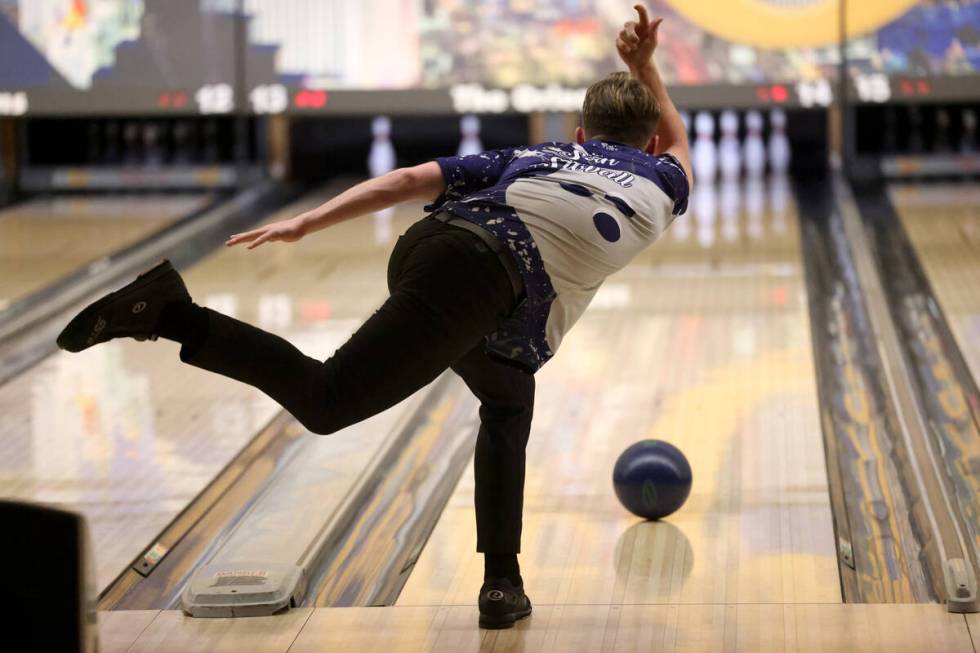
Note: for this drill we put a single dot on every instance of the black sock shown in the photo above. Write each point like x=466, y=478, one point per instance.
x=502, y=565
x=184, y=322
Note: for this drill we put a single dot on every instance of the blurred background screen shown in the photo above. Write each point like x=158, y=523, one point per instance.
x=348, y=56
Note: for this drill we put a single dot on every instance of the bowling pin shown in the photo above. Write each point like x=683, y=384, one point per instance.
x=381, y=159
x=779, y=193
x=779, y=153
x=968, y=135
x=755, y=202
x=755, y=149
x=469, y=126
x=704, y=153
x=705, y=200
x=729, y=200
x=729, y=151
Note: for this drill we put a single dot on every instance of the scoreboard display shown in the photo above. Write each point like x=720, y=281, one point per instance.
x=72, y=57
x=62, y=57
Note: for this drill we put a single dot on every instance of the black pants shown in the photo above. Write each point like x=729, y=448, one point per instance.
x=448, y=291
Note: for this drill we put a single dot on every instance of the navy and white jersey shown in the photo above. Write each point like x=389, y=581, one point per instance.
x=571, y=215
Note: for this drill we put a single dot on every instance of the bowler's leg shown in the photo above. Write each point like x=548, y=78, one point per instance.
x=447, y=291
x=506, y=397
x=392, y=355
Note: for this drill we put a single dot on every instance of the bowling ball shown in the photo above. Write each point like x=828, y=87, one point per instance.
x=652, y=479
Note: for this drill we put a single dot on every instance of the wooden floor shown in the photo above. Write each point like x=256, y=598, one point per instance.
x=46, y=239
x=668, y=628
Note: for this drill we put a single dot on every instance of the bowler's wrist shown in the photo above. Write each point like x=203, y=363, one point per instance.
x=306, y=222
x=640, y=70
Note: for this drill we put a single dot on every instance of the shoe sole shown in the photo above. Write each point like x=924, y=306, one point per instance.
x=499, y=622
x=89, y=314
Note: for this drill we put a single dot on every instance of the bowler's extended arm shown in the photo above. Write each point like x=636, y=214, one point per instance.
x=418, y=182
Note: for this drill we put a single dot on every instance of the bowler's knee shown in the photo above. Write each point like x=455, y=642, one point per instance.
x=507, y=411
x=322, y=425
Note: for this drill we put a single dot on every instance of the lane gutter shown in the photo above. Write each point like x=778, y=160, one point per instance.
x=949, y=555
x=880, y=547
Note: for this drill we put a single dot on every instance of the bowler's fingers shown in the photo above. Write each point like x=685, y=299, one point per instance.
x=641, y=10
x=245, y=237
x=628, y=33
x=267, y=236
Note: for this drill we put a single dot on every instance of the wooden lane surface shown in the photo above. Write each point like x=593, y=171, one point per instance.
x=677, y=628
x=943, y=223
x=118, y=630
x=46, y=239
x=734, y=379
x=171, y=630
x=127, y=435
x=708, y=349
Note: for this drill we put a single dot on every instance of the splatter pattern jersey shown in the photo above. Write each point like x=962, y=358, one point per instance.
x=570, y=215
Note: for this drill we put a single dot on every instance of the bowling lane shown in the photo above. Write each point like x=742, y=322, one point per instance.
x=45, y=239
x=704, y=342
x=128, y=435
x=943, y=223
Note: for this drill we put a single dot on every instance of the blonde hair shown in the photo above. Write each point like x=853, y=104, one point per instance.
x=621, y=109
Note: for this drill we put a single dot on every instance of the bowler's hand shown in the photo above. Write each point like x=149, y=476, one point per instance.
x=287, y=231
x=638, y=39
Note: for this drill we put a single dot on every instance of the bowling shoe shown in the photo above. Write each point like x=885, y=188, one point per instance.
x=132, y=311
x=501, y=603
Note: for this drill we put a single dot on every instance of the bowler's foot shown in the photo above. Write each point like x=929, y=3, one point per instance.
x=133, y=311
x=501, y=603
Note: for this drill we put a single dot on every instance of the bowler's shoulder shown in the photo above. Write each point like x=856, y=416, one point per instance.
x=672, y=179
x=666, y=172
x=549, y=146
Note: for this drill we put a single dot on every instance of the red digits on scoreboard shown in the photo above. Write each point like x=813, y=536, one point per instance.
x=310, y=99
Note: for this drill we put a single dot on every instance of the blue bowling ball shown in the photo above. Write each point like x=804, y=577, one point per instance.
x=652, y=479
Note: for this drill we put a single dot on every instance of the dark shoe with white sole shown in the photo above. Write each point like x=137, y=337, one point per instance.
x=130, y=312
x=501, y=603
